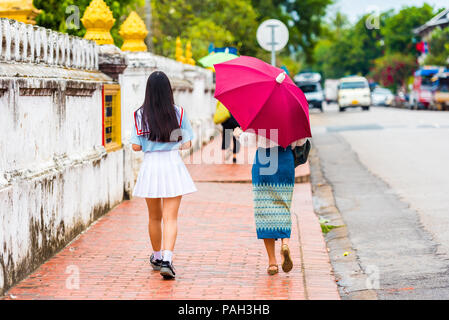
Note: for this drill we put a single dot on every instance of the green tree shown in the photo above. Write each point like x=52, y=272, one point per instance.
x=205, y=32
x=335, y=28
x=222, y=22
x=54, y=14
x=393, y=70
x=439, y=47
x=343, y=49
x=291, y=62
x=347, y=51
x=306, y=17
x=398, y=29
x=303, y=17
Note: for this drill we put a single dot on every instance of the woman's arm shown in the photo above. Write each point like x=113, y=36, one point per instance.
x=136, y=147
x=246, y=139
x=186, y=146
x=298, y=143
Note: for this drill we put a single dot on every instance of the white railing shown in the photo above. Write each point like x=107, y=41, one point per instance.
x=20, y=42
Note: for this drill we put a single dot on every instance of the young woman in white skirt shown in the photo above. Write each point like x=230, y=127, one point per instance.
x=160, y=130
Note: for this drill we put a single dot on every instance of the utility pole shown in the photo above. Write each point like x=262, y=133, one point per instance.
x=148, y=21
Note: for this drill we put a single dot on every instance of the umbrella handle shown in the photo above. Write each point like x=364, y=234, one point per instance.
x=280, y=78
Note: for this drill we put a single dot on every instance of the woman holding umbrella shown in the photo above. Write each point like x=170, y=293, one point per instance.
x=272, y=195
x=265, y=101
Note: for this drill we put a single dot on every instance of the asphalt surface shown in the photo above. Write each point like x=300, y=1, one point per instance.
x=389, y=172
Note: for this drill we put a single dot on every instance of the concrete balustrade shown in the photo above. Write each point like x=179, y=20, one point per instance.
x=22, y=42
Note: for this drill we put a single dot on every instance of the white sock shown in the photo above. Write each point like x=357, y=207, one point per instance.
x=157, y=255
x=168, y=255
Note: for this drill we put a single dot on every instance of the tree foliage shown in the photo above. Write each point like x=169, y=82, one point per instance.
x=398, y=30
x=306, y=16
x=221, y=22
x=346, y=51
x=54, y=14
x=303, y=17
x=361, y=48
x=393, y=70
x=439, y=47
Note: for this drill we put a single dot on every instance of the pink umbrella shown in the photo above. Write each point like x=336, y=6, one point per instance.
x=261, y=96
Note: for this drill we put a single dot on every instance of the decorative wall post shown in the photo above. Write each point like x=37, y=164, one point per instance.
x=20, y=10
x=179, y=51
x=133, y=31
x=98, y=21
x=188, y=58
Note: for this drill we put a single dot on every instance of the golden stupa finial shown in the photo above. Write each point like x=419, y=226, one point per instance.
x=179, y=51
x=20, y=10
x=133, y=31
x=189, y=59
x=98, y=21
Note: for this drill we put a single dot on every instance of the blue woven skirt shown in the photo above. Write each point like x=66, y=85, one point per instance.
x=273, y=176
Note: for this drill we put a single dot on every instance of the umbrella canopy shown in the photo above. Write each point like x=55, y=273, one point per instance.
x=214, y=58
x=263, y=98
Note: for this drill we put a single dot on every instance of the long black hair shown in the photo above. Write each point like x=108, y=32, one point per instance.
x=158, y=110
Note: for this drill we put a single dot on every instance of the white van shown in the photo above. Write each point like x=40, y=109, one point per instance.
x=354, y=92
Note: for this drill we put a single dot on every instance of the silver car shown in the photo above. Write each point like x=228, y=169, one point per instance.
x=314, y=94
x=382, y=97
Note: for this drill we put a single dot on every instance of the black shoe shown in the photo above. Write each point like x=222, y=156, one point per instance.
x=167, y=270
x=155, y=263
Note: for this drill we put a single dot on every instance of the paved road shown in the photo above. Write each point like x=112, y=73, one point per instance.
x=389, y=169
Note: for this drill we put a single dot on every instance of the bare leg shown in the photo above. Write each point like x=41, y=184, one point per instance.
x=154, y=223
x=270, y=245
x=223, y=156
x=170, y=217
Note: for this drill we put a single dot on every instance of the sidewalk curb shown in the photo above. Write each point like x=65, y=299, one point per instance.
x=319, y=278
x=347, y=269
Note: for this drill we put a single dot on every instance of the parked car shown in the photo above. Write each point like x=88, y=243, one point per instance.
x=307, y=77
x=313, y=92
x=331, y=90
x=421, y=95
x=354, y=91
x=440, y=88
x=382, y=97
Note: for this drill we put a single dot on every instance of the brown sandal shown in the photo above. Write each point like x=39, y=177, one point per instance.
x=287, y=265
x=272, y=272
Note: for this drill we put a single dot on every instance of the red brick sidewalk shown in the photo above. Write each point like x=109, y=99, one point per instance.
x=206, y=165
x=217, y=255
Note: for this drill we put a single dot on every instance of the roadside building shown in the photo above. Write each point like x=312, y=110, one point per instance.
x=441, y=21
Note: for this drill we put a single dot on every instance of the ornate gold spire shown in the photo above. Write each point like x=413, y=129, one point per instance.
x=20, y=10
x=189, y=59
x=179, y=51
x=133, y=31
x=98, y=21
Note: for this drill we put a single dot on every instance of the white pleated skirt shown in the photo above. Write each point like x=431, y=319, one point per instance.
x=163, y=174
